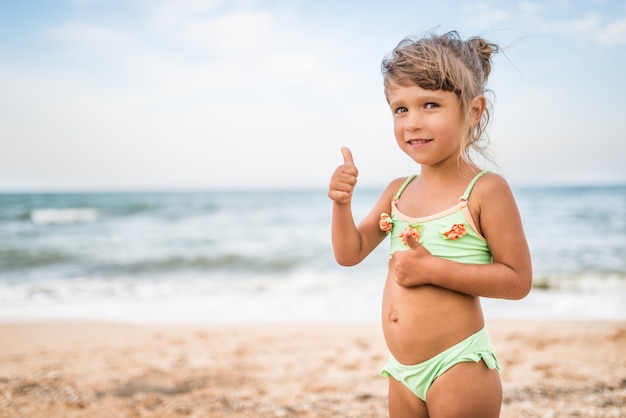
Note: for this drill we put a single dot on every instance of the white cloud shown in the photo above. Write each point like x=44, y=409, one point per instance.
x=613, y=33
x=240, y=32
x=482, y=15
x=602, y=29
x=531, y=7
x=574, y=27
x=599, y=23
x=169, y=12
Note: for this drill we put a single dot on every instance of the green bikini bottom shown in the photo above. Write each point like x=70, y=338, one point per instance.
x=419, y=377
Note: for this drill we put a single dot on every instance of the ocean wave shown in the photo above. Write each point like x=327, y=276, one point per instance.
x=167, y=205
x=17, y=259
x=589, y=282
x=49, y=216
x=233, y=263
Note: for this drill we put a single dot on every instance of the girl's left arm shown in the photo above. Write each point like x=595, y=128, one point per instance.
x=510, y=274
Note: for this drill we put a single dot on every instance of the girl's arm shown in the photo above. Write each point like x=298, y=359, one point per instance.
x=352, y=243
x=510, y=274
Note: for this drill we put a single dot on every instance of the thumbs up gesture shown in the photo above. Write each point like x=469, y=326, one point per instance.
x=343, y=179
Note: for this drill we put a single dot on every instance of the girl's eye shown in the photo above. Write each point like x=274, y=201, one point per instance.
x=431, y=105
x=400, y=110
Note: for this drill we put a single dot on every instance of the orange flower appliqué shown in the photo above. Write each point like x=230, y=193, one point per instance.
x=409, y=231
x=385, y=223
x=455, y=232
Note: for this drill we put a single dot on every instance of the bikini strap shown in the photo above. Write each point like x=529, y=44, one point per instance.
x=406, y=183
x=471, y=185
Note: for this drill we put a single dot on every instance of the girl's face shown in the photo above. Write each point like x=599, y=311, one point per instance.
x=428, y=124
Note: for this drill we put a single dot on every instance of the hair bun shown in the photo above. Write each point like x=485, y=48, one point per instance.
x=484, y=50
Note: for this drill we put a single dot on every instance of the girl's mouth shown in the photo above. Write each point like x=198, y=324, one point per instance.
x=418, y=141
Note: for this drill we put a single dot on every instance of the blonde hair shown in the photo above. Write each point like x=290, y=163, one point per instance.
x=446, y=62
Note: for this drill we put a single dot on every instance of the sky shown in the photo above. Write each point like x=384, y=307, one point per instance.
x=246, y=94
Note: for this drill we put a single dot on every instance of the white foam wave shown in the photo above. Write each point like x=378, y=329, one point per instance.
x=298, y=298
x=49, y=216
x=263, y=299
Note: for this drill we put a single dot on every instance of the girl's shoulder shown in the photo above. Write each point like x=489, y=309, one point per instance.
x=400, y=181
x=492, y=181
x=491, y=186
x=396, y=185
x=389, y=193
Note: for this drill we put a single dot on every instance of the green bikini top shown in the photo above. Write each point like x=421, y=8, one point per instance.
x=449, y=234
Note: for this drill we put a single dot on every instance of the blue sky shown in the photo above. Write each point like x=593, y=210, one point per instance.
x=169, y=94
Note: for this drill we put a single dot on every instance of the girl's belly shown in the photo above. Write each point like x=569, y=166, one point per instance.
x=423, y=321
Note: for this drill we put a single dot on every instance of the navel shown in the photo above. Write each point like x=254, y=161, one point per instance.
x=393, y=316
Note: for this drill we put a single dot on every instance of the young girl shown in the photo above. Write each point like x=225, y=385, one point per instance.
x=455, y=233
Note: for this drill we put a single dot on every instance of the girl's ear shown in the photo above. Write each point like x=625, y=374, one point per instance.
x=477, y=107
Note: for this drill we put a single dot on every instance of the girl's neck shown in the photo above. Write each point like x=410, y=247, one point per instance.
x=463, y=171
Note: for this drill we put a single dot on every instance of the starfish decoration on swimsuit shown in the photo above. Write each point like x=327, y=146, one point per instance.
x=413, y=230
x=454, y=232
x=385, y=223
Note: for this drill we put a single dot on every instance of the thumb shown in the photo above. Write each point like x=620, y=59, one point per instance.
x=411, y=238
x=347, y=156
x=412, y=242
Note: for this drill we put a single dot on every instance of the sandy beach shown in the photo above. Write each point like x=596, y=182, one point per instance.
x=549, y=369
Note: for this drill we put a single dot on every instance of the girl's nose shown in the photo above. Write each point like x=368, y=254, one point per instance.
x=413, y=122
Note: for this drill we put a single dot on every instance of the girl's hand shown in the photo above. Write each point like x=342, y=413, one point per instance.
x=411, y=265
x=343, y=179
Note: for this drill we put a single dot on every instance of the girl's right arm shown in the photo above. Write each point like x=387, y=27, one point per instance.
x=351, y=244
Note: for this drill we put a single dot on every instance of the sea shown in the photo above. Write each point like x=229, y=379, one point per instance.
x=264, y=256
